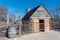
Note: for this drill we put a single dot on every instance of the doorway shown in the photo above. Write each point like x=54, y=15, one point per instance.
x=41, y=25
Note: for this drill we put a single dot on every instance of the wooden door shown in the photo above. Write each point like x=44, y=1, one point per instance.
x=41, y=25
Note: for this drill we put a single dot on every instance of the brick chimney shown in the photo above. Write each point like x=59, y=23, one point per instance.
x=28, y=10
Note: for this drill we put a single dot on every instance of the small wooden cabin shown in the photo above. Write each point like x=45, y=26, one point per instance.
x=37, y=20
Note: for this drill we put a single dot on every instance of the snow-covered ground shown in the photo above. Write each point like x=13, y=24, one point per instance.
x=53, y=35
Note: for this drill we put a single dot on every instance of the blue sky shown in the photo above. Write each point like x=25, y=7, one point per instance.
x=24, y=4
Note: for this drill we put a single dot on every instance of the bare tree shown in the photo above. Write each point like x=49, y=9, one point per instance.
x=19, y=21
x=12, y=17
x=56, y=16
x=3, y=13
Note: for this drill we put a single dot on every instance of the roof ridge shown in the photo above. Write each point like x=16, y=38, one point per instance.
x=32, y=11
